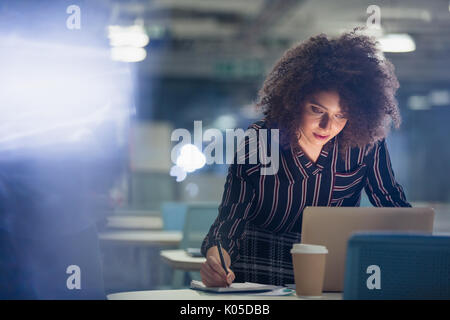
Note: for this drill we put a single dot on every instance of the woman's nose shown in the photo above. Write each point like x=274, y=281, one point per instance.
x=325, y=122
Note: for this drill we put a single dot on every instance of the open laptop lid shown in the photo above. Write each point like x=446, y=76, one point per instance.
x=333, y=226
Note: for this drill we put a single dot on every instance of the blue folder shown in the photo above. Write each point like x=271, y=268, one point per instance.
x=397, y=266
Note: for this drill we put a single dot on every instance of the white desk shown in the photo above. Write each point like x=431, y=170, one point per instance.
x=179, y=259
x=135, y=222
x=142, y=238
x=134, y=212
x=188, y=294
x=145, y=244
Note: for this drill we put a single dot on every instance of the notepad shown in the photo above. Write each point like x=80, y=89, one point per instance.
x=238, y=287
x=194, y=252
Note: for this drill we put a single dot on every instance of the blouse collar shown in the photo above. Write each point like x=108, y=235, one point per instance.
x=324, y=156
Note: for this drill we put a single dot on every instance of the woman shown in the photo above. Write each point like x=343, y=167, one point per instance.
x=333, y=102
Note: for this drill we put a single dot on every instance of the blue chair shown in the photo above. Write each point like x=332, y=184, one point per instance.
x=173, y=215
x=194, y=219
x=199, y=218
x=397, y=266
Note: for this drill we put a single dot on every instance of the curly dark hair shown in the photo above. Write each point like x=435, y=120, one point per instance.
x=351, y=65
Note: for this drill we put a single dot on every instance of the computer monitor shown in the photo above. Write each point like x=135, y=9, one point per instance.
x=333, y=226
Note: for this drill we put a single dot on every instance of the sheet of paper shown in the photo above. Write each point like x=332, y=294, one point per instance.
x=243, y=287
x=277, y=292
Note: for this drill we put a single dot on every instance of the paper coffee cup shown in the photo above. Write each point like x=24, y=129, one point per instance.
x=309, y=269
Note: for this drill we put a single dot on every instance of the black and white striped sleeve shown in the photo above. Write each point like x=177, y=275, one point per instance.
x=382, y=189
x=234, y=209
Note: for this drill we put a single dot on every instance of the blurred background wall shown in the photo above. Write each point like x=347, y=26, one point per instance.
x=207, y=59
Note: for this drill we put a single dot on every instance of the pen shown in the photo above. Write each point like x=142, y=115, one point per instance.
x=222, y=260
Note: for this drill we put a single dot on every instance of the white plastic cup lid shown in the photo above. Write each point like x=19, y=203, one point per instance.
x=308, y=248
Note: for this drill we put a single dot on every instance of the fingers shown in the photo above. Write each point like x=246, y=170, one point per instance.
x=211, y=279
x=230, y=276
x=213, y=274
x=215, y=264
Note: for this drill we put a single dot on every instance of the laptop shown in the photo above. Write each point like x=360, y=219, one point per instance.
x=333, y=226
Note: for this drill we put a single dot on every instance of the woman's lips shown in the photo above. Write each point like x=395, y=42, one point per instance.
x=318, y=136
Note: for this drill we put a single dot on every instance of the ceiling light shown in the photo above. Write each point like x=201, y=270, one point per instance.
x=131, y=36
x=418, y=103
x=224, y=122
x=128, y=54
x=439, y=97
x=400, y=42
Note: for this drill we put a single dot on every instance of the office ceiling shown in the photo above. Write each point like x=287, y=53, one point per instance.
x=243, y=38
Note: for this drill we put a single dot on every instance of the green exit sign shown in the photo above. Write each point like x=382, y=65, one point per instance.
x=242, y=68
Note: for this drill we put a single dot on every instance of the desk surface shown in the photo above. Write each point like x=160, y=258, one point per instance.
x=143, y=238
x=137, y=212
x=188, y=294
x=135, y=222
x=179, y=259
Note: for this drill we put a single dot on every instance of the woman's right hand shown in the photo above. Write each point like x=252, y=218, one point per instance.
x=212, y=272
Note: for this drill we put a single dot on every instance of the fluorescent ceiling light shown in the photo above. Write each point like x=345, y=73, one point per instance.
x=128, y=54
x=439, y=97
x=400, y=42
x=418, y=103
x=224, y=122
x=130, y=36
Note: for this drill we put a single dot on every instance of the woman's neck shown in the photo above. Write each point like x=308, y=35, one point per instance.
x=311, y=151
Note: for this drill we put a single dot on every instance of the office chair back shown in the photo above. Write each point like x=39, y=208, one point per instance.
x=173, y=215
x=199, y=218
x=397, y=266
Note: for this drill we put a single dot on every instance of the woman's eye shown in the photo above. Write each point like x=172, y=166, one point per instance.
x=340, y=116
x=316, y=110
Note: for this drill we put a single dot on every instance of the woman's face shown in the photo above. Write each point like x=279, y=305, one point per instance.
x=322, y=119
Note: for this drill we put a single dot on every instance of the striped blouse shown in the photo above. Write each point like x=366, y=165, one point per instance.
x=260, y=216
